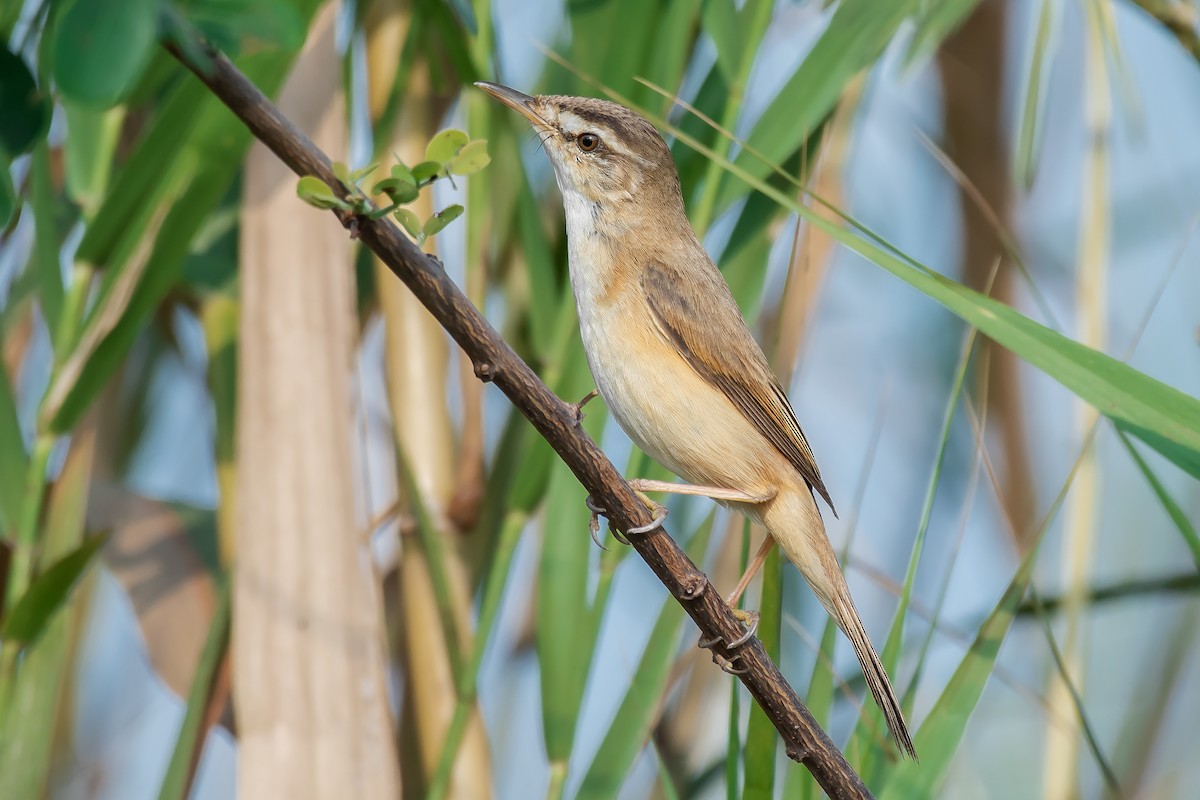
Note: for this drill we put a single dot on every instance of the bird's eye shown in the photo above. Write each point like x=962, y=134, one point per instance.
x=588, y=142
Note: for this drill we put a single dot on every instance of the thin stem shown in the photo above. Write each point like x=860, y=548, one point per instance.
x=20, y=572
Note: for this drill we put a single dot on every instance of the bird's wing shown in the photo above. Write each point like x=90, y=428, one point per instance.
x=701, y=319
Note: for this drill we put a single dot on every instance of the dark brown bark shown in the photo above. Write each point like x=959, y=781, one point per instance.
x=496, y=362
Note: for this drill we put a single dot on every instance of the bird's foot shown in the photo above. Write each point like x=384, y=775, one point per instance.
x=660, y=515
x=594, y=524
x=750, y=620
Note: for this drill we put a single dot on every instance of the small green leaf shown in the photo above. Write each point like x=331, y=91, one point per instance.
x=411, y=222
x=440, y=220
x=403, y=173
x=26, y=112
x=445, y=146
x=48, y=592
x=101, y=47
x=470, y=159
x=343, y=172
x=357, y=175
x=313, y=191
x=426, y=171
x=400, y=191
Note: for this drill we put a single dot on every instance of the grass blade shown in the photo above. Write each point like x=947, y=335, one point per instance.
x=48, y=592
x=938, y=737
x=640, y=707
x=872, y=718
x=1041, y=61
x=1177, y=515
x=564, y=642
x=858, y=32
x=179, y=769
x=14, y=461
x=762, y=739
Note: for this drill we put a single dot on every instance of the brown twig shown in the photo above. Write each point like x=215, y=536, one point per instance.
x=554, y=419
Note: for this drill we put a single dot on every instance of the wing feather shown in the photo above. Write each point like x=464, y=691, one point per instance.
x=723, y=351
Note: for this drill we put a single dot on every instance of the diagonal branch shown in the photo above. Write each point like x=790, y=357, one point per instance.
x=496, y=362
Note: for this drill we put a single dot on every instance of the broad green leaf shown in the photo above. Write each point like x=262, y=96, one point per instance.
x=445, y=146
x=48, y=592
x=101, y=47
x=89, y=145
x=317, y=193
x=28, y=735
x=46, y=238
x=858, y=32
x=14, y=462
x=938, y=21
x=163, y=270
x=142, y=183
x=231, y=23
x=674, y=45
x=26, y=111
x=440, y=220
x=410, y=221
x=727, y=28
x=564, y=641
x=939, y=735
x=545, y=290
x=472, y=158
x=636, y=716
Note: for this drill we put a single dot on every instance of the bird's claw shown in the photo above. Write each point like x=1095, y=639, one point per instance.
x=594, y=524
x=750, y=619
x=660, y=515
x=727, y=664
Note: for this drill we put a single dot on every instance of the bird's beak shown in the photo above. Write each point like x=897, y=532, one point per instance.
x=517, y=101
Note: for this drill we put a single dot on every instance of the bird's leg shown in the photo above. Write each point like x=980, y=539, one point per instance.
x=577, y=408
x=756, y=563
x=715, y=492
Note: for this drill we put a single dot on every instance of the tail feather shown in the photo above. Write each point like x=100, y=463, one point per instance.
x=794, y=521
x=873, y=671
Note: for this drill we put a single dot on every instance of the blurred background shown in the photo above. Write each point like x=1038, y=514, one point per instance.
x=262, y=533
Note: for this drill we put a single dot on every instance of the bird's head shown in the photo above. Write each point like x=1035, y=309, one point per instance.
x=601, y=151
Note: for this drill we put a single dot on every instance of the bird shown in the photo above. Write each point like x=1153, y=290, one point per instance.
x=673, y=357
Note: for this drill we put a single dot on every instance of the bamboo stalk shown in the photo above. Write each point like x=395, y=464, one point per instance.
x=310, y=689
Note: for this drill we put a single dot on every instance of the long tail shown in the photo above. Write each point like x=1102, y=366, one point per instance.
x=793, y=520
